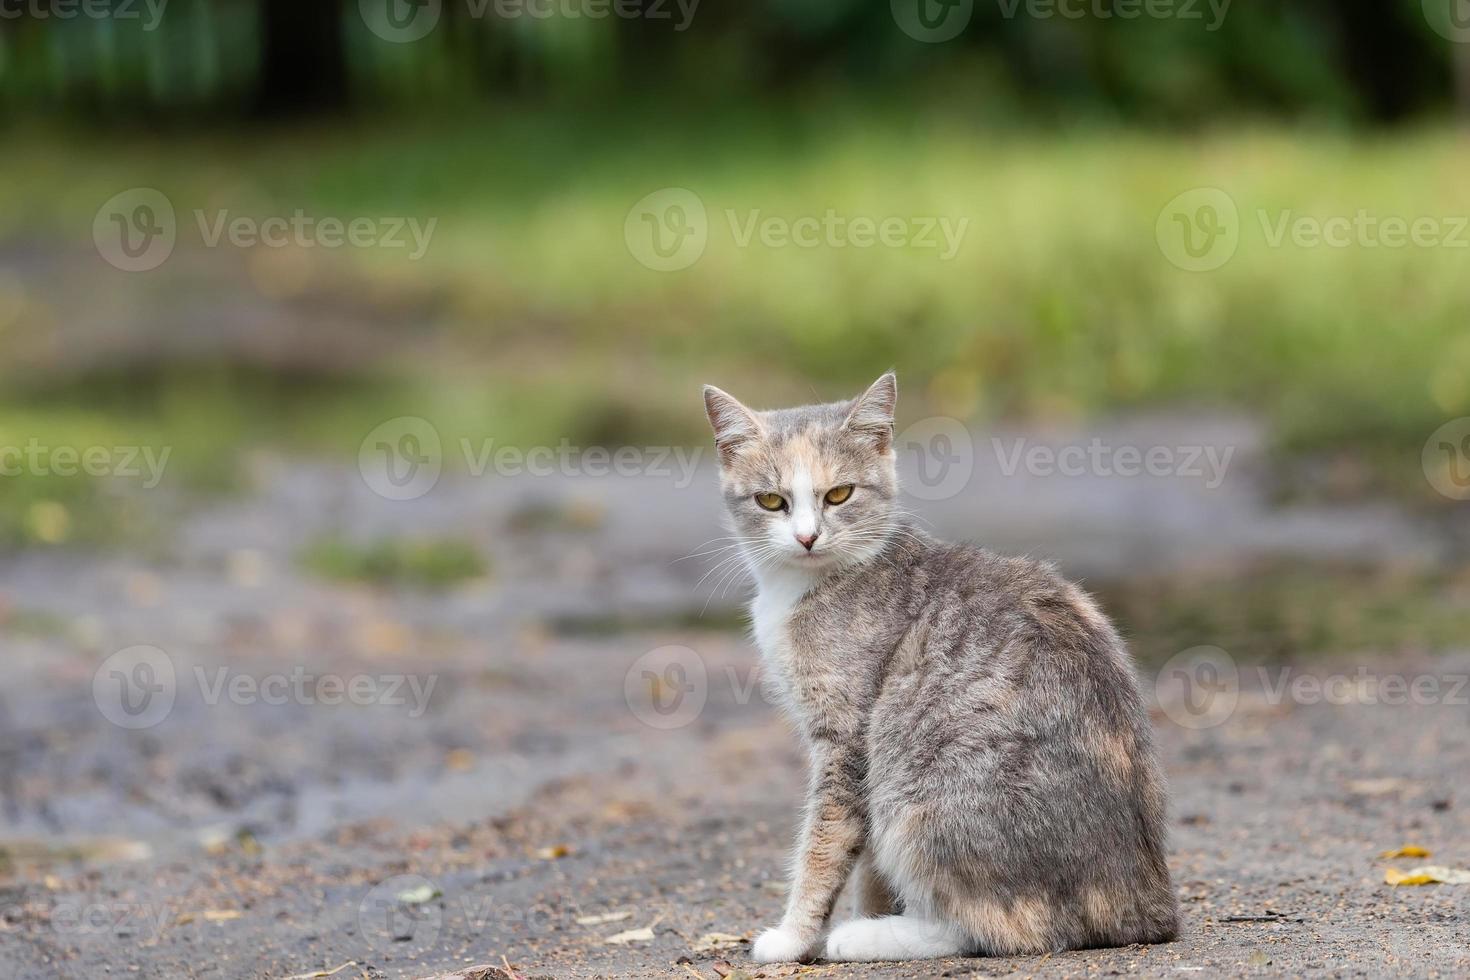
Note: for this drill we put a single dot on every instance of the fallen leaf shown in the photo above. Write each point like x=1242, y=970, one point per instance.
x=419, y=895
x=1407, y=851
x=715, y=940
x=553, y=852
x=1429, y=874
x=631, y=936
x=1378, y=787
x=318, y=974
x=459, y=760
x=603, y=919
x=221, y=915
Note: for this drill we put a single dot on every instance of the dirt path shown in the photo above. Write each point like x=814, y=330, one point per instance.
x=417, y=782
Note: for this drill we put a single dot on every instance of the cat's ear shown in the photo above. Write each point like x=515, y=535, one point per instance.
x=733, y=423
x=872, y=413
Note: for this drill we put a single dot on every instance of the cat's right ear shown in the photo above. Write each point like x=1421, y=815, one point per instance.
x=734, y=424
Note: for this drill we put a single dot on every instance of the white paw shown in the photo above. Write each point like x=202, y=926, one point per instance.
x=891, y=937
x=853, y=941
x=779, y=945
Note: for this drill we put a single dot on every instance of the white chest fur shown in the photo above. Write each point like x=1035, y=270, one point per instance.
x=777, y=593
x=776, y=596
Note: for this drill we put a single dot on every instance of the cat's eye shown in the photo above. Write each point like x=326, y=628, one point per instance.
x=839, y=495
x=771, y=501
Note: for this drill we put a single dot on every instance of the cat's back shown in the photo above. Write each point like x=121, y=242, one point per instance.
x=1005, y=647
x=971, y=600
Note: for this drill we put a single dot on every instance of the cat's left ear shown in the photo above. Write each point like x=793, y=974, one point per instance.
x=872, y=413
x=734, y=424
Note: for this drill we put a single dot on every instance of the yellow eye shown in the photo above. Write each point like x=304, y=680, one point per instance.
x=839, y=495
x=771, y=501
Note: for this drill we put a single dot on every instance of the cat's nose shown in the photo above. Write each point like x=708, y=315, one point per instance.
x=807, y=540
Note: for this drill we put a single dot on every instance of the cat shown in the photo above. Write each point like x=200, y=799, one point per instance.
x=981, y=761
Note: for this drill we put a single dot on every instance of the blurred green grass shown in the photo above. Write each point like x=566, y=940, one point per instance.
x=425, y=564
x=1059, y=304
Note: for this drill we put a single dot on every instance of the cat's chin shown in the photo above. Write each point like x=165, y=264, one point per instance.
x=812, y=561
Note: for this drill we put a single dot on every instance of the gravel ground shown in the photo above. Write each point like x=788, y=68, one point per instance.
x=533, y=785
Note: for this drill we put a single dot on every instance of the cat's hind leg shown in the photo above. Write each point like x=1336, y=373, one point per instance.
x=871, y=894
x=893, y=937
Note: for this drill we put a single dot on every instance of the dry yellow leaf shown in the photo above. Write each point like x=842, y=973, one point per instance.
x=1429, y=874
x=221, y=915
x=603, y=919
x=1407, y=851
x=553, y=852
x=631, y=936
x=715, y=940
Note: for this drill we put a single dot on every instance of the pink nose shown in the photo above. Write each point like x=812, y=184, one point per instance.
x=807, y=540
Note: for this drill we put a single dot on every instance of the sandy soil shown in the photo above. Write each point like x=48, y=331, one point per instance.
x=567, y=755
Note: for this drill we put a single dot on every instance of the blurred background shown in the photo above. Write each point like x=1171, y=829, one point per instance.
x=293, y=293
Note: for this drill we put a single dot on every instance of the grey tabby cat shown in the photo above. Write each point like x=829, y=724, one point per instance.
x=981, y=758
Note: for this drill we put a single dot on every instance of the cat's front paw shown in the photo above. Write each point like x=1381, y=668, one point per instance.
x=781, y=945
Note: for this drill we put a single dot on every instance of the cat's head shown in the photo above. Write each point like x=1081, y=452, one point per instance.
x=808, y=487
